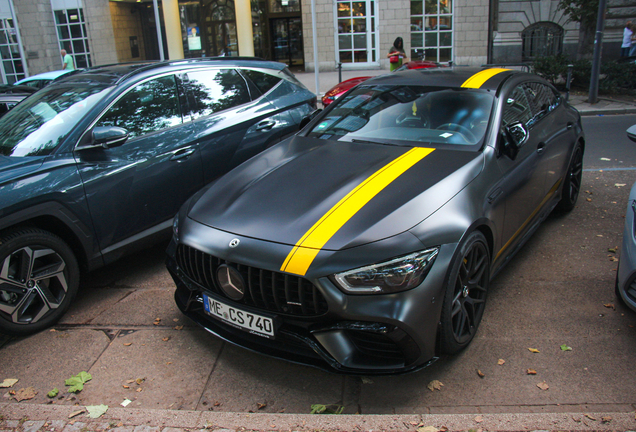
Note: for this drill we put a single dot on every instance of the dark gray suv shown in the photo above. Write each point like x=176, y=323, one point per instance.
x=96, y=165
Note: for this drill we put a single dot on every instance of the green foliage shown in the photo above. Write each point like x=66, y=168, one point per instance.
x=326, y=409
x=53, y=393
x=581, y=11
x=615, y=76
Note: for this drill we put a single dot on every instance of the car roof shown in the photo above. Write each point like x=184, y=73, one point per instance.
x=115, y=73
x=44, y=76
x=482, y=78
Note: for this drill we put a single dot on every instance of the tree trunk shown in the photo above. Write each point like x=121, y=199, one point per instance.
x=585, y=49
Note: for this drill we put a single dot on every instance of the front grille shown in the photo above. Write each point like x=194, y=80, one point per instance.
x=268, y=290
x=376, y=345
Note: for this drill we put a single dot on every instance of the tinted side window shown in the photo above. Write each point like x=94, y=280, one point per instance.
x=212, y=91
x=542, y=100
x=264, y=82
x=517, y=108
x=149, y=107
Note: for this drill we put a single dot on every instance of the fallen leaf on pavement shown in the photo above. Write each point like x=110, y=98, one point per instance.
x=543, y=385
x=166, y=339
x=260, y=406
x=613, y=250
x=366, y=380
x=590, y=417
x=128, y=344
x=125, y=386
x=531, y=372
x=53, y=393
x=178, y=327
x=140, y=380
x=326, y=409
x=9, y=382
x=435, y=385
x=564, y=347
x=609, y=305
x=479, y=419
x=25, y=394
x=533, y=350
x=76, y=413
x=77, y=382
x=500, y=362
x=96, y=411
x=427, y=429
x=606, y=419
x=480, y=373
x=125, y=403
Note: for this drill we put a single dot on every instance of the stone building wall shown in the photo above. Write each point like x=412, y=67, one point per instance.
x=126, y=23
x=100, y=32
x=471, y=32
x=37, y=29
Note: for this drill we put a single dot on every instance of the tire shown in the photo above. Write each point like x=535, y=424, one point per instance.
x=466, y=291
x=39, y=277
x=572, y=182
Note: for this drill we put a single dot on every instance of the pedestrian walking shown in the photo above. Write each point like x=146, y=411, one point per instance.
x=67, y=61
x=627, y=39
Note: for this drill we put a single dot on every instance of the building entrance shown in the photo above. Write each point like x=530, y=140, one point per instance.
x=287, y=41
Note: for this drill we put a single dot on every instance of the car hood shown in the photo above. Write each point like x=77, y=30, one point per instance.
x=14, y=168
x=280, y=195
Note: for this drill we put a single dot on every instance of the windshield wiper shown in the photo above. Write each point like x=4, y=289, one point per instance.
x=368, y=141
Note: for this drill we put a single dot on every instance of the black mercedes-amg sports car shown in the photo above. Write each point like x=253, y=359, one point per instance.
x=367, y=242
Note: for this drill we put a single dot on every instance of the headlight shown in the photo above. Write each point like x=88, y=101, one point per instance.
x=396, y=275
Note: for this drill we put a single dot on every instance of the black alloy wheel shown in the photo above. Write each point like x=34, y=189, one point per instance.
x=39, y=277
x=465, y=297
x=572, y=181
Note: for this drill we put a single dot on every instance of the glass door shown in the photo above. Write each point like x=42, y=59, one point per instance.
x=357, y=36
x=287, y=38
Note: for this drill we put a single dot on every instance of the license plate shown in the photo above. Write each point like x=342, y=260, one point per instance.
x=252, y=323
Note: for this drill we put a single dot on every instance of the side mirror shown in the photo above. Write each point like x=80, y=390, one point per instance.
x=308, y=118
x=514, y=137
x=631, y=133
x=108, y=136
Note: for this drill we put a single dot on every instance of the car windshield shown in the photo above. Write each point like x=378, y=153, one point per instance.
x=41, y=122
x=408, y=115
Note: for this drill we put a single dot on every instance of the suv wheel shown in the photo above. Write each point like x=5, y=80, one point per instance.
x=39, y=277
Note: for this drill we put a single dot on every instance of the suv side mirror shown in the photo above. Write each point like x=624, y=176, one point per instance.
x=631, y=133
x=108, y=136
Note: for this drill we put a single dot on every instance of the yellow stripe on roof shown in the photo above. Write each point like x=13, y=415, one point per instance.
x=306, y=249
x=481, y=77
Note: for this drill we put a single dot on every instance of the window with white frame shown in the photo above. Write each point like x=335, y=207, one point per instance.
x=12, y=66
x=432, y=30
x=356, y=35
x=71, y=33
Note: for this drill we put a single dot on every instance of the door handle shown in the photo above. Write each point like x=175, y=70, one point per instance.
x=570, y=125
x=494, y=195
x=541, y=147
x=265, y=125
x=182, y=154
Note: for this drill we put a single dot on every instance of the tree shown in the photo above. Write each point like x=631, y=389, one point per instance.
x=585, y=12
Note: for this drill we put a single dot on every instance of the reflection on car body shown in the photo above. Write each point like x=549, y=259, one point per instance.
x=370, y=238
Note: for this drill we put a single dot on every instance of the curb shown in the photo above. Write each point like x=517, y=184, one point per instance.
x=36, y=417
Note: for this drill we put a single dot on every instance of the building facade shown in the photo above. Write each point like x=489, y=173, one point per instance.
x=357, y=34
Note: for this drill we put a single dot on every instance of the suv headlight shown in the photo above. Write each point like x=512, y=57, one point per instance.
x=399, y=274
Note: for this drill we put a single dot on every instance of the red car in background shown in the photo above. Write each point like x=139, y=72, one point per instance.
x=339, y=89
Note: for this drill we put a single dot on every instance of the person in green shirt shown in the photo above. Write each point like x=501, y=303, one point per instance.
x=67, y=61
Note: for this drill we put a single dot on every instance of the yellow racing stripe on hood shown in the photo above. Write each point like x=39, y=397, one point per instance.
x=481, y=77
x=306, y=249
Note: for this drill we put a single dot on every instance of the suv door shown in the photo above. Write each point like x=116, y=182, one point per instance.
x=140, y=185
x=228, y=124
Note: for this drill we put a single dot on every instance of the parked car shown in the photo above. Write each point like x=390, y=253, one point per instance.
x=11, y=95
x=626, y=274
x=95, y=166
x=339, y=89
x=43, y=79
x=367, y=242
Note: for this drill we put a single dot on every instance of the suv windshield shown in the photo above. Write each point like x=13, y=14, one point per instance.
x=404, y=115
x=41, y=122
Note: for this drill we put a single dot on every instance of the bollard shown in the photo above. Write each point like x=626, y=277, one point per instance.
x=339, y=72
x=568, y=82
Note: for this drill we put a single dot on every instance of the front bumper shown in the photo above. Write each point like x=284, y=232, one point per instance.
x=626, y=276
x=354, y=334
